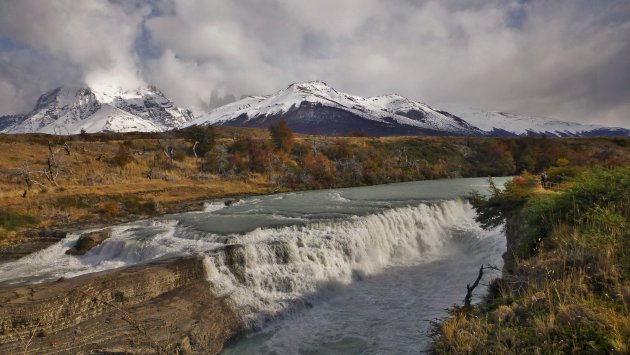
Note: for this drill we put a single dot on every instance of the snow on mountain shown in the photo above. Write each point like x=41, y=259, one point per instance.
x=501, y=123
x=316, y=108
x=69, y=110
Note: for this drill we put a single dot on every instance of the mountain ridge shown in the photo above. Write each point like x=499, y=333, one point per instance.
x=316, y=108
x=308, y=107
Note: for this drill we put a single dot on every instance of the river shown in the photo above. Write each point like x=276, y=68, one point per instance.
x=350, y=271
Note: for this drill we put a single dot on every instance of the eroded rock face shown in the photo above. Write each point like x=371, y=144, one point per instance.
x=164, y=306
x=87, y=241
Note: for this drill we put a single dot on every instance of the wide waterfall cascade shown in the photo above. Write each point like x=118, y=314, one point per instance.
x=405, y=250
x=264, y=271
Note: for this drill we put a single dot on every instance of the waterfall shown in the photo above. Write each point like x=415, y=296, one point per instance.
x=268, y=270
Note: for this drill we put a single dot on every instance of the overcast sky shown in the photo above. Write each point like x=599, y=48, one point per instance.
x=563, y=59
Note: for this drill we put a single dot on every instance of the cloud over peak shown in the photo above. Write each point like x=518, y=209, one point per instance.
x=565, y=59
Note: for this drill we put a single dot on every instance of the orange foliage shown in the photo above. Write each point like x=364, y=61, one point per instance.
x=319, y=167
x=282, y=136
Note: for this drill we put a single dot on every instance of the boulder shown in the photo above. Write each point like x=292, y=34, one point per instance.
x=231, y=202
x=87, y=241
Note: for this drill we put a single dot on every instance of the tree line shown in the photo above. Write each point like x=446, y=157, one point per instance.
x=324, y=162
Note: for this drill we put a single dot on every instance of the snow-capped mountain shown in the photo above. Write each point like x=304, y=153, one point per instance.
x=69, y=110
x=507, y=124
x=316, y=108
x=312, y=108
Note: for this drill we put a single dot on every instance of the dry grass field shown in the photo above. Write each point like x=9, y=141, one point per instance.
x=93, y=187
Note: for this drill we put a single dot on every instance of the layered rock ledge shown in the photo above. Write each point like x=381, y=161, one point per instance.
x=163, y=306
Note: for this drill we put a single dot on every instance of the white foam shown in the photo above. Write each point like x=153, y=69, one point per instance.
x=213, y=206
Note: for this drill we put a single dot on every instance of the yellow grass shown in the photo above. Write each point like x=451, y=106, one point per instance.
x=87, y=185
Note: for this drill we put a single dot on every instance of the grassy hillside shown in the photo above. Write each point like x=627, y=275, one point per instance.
x=60, y=180
x=567, y=287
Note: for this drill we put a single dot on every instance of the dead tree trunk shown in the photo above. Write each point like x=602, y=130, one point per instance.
x=469, y=288
x=26, y=173
x=52, y=168
x=168, y=149
x=26, y=176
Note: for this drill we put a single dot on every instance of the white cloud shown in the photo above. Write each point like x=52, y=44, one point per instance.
x=564, y=59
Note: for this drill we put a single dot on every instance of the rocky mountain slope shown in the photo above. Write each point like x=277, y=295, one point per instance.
x=67, y=110
x=316, y=108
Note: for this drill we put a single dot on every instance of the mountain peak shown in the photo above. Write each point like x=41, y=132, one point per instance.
x=310, y=87
x=69, y=110
x=313, y=84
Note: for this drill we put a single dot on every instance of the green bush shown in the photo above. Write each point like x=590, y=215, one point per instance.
x=563, y=174
x=493, y=210
x=133, y=205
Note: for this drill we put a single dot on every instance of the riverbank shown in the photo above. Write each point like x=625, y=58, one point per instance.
x=566, y=284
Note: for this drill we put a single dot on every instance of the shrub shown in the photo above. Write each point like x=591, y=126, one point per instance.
x=562, y=174
x=216, y=160
x=179, y=155
x=356, y=134
x=573, y=296
x=162, y=162
x=109, y=209
x=123, y=156
x=133, y=205
x=320, y=169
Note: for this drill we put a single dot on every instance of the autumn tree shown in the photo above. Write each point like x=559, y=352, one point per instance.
x=259, y=152
x=282, y=136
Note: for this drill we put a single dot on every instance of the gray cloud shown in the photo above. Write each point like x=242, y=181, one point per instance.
x=564, y=59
